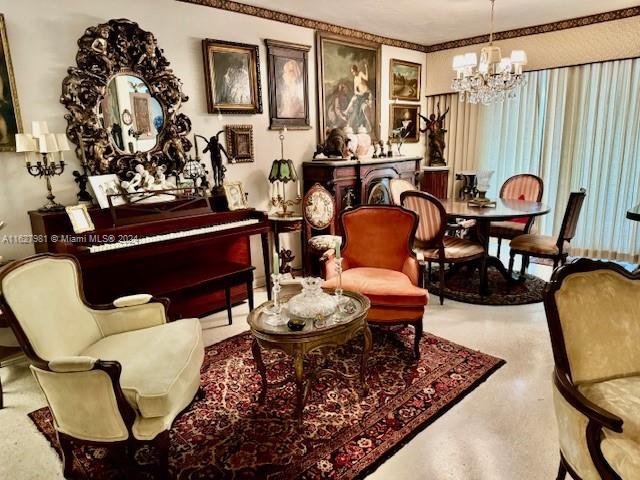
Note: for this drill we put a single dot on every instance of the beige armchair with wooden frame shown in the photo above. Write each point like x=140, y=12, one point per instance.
x=593, y=315
x=112, y=375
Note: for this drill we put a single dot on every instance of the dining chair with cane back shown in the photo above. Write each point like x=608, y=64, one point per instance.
x=524, y=186
x=398, y=186
x=377, y=261
x=433, y=245
x=542, y=246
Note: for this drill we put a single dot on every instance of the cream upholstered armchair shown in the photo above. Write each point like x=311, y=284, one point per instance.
x=111, y=374
x=593, y=314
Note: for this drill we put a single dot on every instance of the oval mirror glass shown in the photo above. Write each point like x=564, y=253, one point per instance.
x=131, y=115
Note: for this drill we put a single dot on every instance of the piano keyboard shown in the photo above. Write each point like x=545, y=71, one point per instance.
x=170, y=236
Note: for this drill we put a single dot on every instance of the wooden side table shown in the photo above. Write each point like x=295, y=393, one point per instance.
x=435, y=180
x=297, y=344
x=284, y=225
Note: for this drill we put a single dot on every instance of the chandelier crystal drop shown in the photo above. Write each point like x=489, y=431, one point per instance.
x=492, y=79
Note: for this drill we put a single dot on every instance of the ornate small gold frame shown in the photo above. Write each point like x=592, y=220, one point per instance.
x=239, y=140
x=80, y=218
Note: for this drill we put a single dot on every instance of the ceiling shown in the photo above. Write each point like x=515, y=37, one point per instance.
x=427, y=22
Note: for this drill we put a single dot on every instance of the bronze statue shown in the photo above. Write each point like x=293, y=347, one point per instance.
x=435, y=127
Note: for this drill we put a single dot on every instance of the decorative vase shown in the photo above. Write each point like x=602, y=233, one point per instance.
x=312, y=302
x=484, y=182
x=364, y=143
x=353, y=139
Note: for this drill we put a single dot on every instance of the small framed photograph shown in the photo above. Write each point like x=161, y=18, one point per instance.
x=232, y=73
x=404, y=80
x=239, y=140
x=104, y=185
x=80, y=218
x=404, y=122
x=236, y=199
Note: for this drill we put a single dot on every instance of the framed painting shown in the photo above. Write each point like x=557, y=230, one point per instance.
x=10, y=121
x=404, y=121
x=287, y=64
x=232, y=75
x=239, y=139
x=348, y=84
x=404, y=80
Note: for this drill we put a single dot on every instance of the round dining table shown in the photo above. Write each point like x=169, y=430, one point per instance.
x=504, y=209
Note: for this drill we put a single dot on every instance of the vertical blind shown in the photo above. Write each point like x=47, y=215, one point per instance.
x=574, y=127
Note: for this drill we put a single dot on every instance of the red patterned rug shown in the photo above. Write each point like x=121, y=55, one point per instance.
x=229, y=436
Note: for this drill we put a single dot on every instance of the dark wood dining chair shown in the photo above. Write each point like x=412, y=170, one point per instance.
x=542, y=246
x=524, y=186
x=433, y=245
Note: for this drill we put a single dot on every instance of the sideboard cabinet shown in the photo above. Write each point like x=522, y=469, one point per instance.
x=358, y=182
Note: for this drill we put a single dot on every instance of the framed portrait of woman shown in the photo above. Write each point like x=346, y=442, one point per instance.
x=232, y=75
x=348, y=72
x=287, y=64
x=10, y=122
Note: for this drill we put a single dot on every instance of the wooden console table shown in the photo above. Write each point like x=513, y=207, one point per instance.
x=352, y=181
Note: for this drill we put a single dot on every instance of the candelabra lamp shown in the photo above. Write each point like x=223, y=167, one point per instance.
x=48, y=145
x=282, y=172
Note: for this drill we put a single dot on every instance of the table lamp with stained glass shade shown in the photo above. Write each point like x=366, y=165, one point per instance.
x=47, y=144
x=282, y=172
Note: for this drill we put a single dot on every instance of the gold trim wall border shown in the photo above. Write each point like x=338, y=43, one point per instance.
x=537, y=29
x=274, y=15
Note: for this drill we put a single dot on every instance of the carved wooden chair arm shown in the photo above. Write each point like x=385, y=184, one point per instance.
x=589, y=409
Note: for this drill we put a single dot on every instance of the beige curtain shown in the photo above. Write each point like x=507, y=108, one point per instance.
x=574, y=127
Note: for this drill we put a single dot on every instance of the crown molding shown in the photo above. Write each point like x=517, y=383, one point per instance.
x=537, y=29
x=274, y=15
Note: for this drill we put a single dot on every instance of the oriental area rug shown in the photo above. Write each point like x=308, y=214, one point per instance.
x=228, y=435
x=464, y=286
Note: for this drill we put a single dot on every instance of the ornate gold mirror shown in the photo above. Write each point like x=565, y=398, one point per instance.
x=124, y=102
x=131, y=115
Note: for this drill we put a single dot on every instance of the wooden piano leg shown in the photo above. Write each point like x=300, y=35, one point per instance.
x=227, y=299
x=250, y=291
x=264, y=237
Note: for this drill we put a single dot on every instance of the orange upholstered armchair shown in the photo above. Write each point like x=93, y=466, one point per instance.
x=377, y=261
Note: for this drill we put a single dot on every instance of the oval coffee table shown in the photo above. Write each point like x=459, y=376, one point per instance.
x=336, y=331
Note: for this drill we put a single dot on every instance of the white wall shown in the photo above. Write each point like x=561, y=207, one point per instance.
x=43, y=38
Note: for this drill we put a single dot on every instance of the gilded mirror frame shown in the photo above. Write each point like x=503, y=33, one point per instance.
x=105, y=50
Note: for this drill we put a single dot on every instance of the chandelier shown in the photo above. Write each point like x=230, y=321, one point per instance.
x=493, y=79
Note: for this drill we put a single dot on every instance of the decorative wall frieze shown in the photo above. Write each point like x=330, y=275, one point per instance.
x=537, y=29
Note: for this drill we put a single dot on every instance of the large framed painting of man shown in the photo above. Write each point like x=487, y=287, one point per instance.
x=10, y=121
x=348, y=73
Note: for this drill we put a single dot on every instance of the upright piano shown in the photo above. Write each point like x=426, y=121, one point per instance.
x=180, y=250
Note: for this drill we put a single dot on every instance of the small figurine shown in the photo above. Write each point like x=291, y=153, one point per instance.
x=216, y=150
x=81, y=180
x=100, y=46
x=381, y=154
x=389, y=148
x=149, y=56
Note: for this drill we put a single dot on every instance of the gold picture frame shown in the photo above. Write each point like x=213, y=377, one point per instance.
x=10, y=119
x=340, y=61
x=239, y=140
x=405, y=80
x=407, y=112
x=238, y=64
x=80, y=218
x=236, y=198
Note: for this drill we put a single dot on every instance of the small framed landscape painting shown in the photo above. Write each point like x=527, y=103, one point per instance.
x=232, y=74
x=404, y=121
x=404, y=80
x=10, y=122
x=287, y=64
